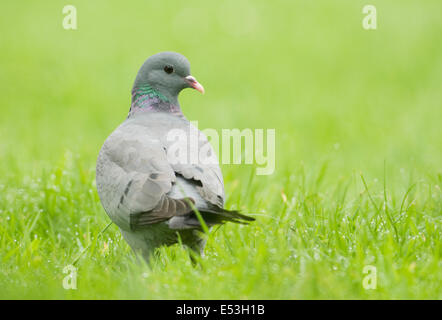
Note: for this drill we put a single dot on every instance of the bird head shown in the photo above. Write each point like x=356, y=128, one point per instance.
x=168, y=73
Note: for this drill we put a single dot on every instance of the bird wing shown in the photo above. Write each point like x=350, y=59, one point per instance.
x=206, y=179
x=205, y=171
x=135, y=179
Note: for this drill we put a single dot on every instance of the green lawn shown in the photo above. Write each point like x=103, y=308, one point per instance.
x=358, y=172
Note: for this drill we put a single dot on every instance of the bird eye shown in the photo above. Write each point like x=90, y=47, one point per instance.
x=168, y=69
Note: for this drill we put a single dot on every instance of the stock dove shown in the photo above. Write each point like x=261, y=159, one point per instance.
x=147, y=179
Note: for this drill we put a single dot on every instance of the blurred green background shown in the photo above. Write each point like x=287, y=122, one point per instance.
x=344, y=101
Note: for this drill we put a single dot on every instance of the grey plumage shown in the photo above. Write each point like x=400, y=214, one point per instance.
x=144, y=190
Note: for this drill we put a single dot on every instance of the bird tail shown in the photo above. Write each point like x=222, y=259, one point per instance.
x=223, y=215
x=210, y=217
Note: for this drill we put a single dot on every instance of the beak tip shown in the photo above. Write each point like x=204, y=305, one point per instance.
x=199, y=88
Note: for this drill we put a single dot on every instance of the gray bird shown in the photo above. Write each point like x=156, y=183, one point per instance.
x=147, y=178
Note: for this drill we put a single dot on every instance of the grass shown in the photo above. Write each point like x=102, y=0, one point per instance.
x=358, y=147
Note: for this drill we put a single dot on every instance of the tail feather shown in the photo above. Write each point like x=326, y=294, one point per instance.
x=211, y=217
x=224, y=215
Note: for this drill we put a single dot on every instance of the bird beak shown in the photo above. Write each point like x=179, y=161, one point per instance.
x=194, y=84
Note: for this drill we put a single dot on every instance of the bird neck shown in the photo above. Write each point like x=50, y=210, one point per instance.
x=147, y=99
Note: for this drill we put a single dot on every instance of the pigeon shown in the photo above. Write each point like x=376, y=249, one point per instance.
x=157, y=175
